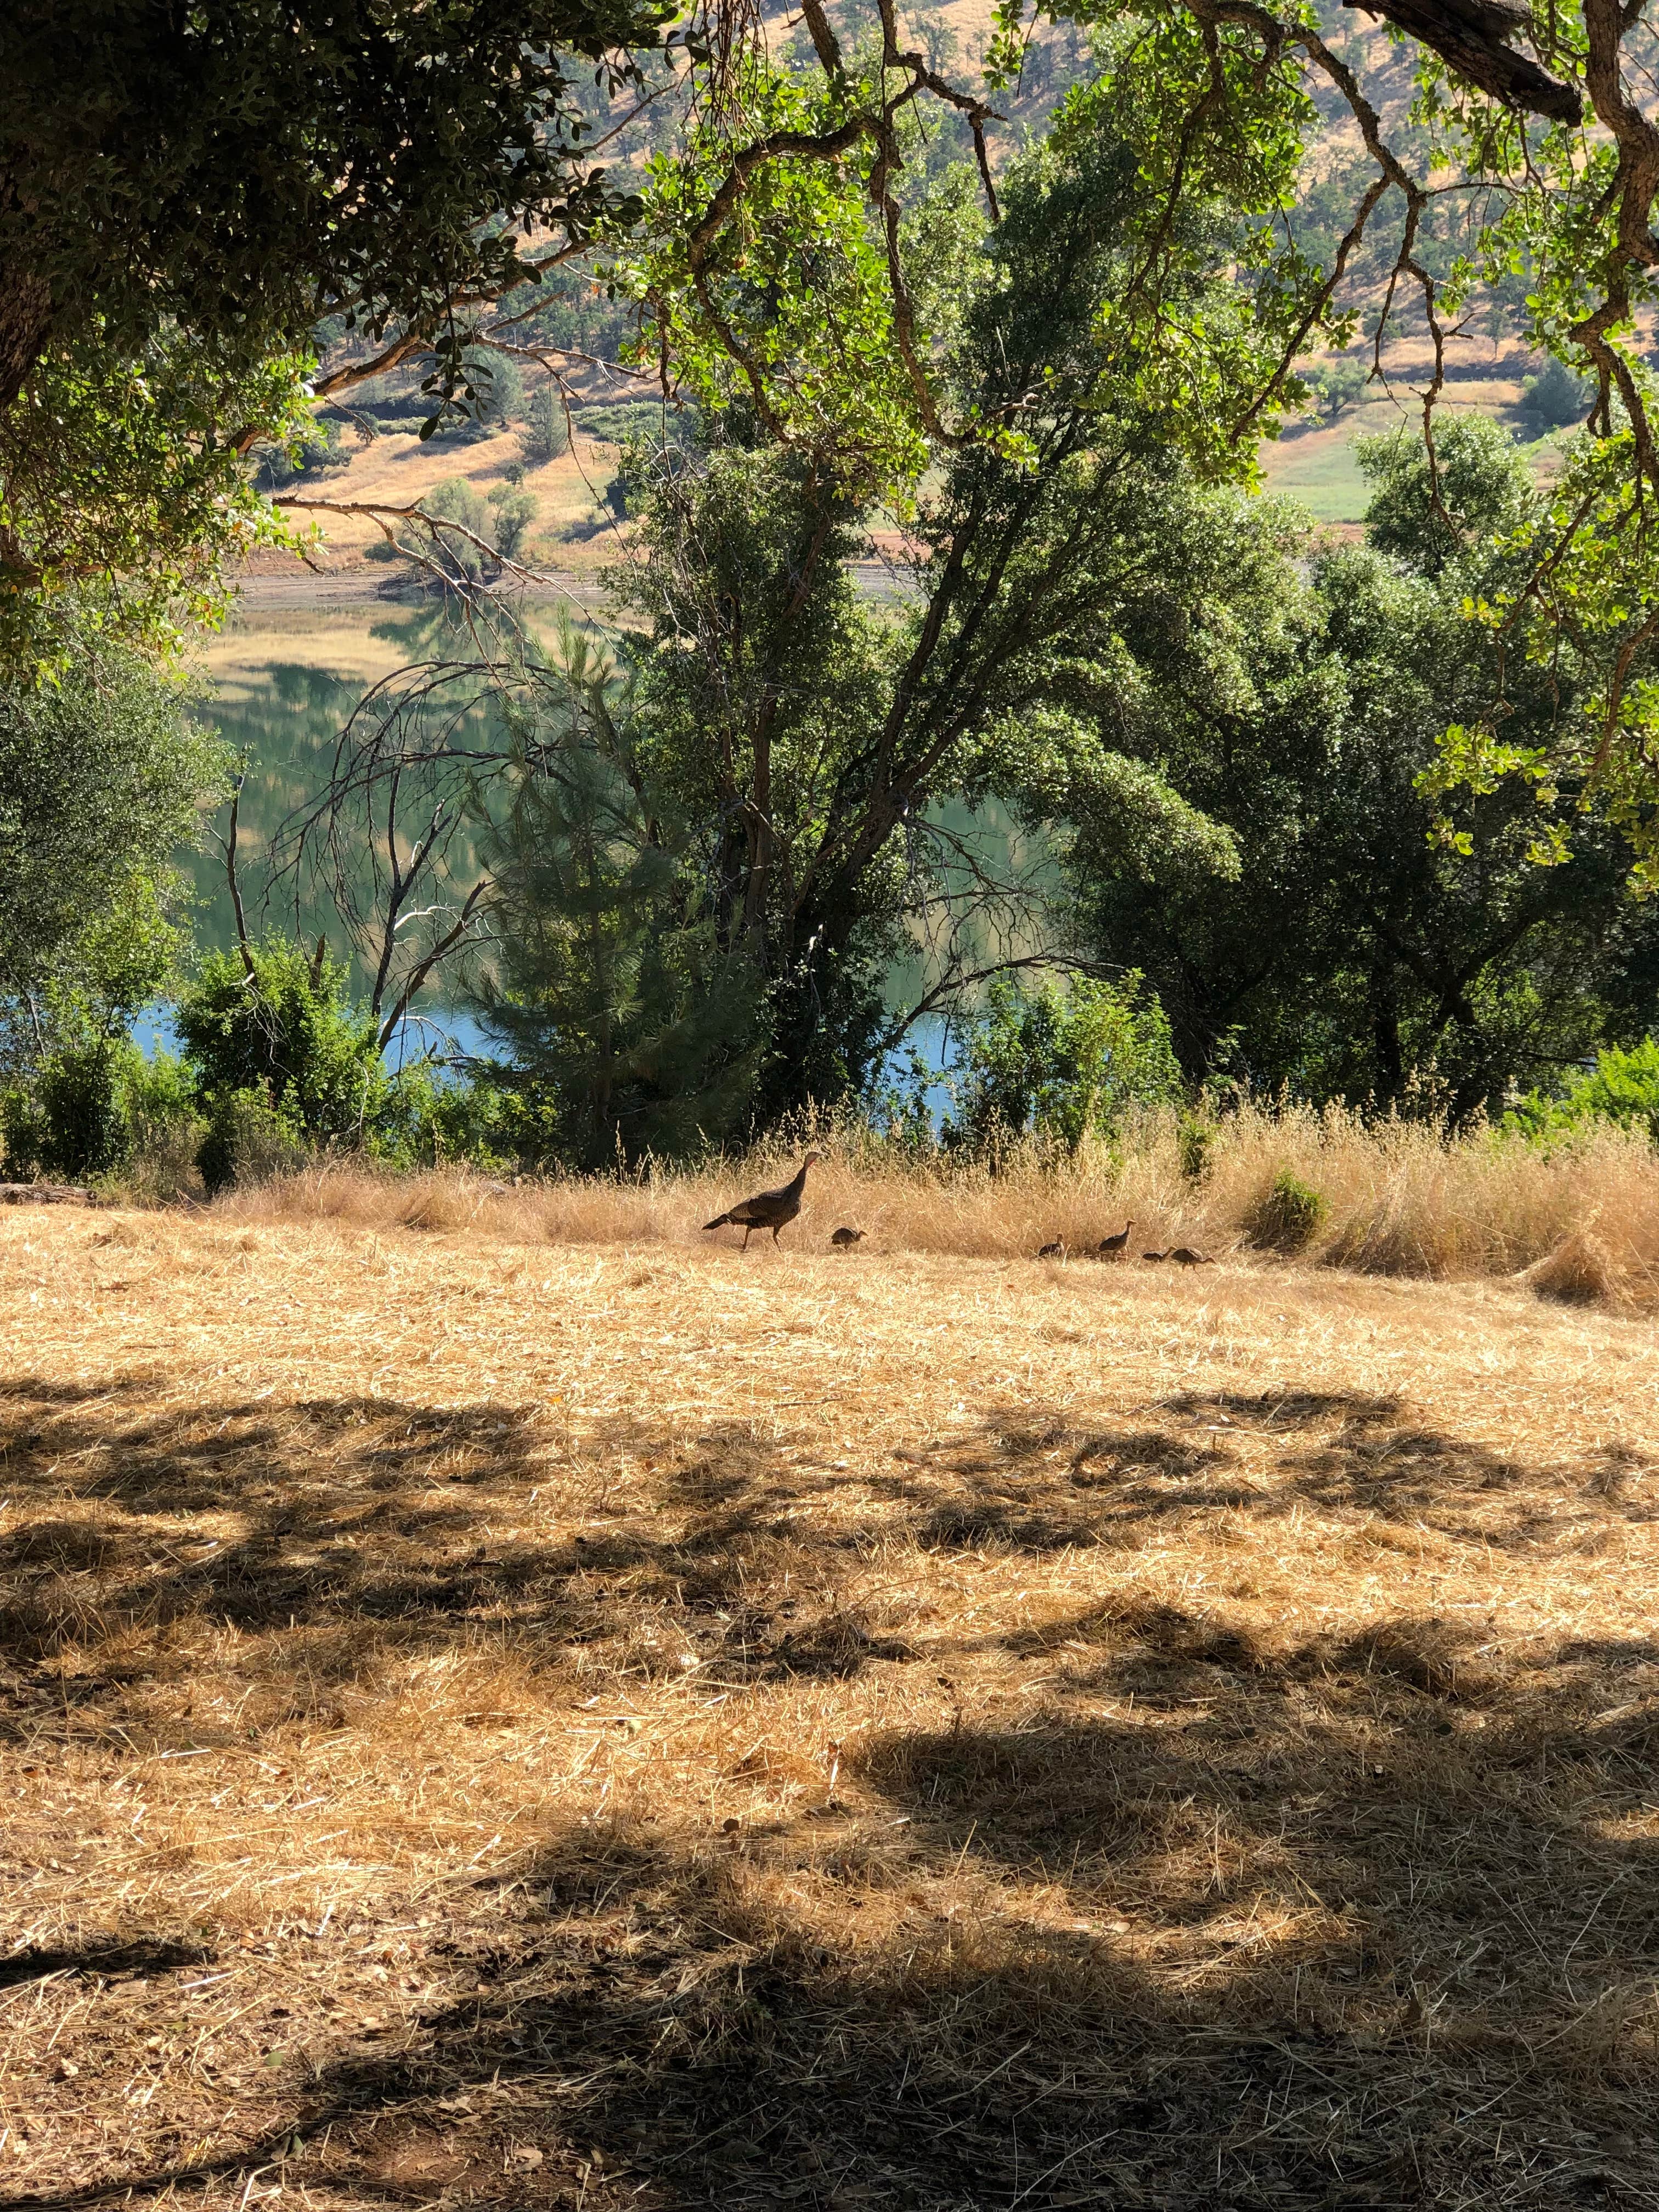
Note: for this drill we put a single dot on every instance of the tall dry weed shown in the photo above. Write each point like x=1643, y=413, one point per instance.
x=1401, y=1198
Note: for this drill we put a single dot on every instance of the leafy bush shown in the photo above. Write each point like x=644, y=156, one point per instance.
x=284, y=1042
x=428, y=1122
x=1197, y=1140
x=88, y=1108
x=248, y=1140
x=1062, y=1064
x=1622, y=1089
x=1289, y=1216
x=70, y=1120
x=164, y=1131
x=81, y=1096
x=23, y=1133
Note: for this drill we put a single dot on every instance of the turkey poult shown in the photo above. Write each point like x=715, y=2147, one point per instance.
x=845, y=1239
x=1113, y=1248
x=768, y=1209
x=1188, y=1258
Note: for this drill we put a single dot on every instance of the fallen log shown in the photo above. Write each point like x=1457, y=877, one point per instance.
x=44, y=1193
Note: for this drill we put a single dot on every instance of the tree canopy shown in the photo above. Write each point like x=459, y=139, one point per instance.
x=102, y=779
x=239, y=170
x=1357, y=953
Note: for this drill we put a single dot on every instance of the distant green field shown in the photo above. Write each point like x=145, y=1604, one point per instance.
x=1319, y=467
x=1321, y=472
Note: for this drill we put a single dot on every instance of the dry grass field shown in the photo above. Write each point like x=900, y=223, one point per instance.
x=629, y=1725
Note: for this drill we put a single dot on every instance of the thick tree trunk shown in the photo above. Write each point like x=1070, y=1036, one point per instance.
x=25, y=320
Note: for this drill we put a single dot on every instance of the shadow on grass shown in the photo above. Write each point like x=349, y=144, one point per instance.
x=1221, y=1924
x=1389, y=1971
x=100, y=1961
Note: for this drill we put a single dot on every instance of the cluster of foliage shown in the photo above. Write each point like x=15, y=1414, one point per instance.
x=278, y=1064
x=1228, y=743
x=1060, y=1065
x=185, y=195
x=805, y=741
x=1290, y=1215
x=1385, y=937
x=103, y=775
x=628, y=1035
x=1620, y=1089
x=465, y=535
x=1355, y=842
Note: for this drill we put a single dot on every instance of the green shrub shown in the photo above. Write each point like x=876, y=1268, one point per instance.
x=1289, y=1216
x=279, y=1061
x=430, y=1123
x=1621, y=1090
x=248, y=1140
x=164, y=1131
x=23, y=1133
x=290, y=1031
x=82, y=1090
x=95, y=1109
x=1198, y=1141
x=1062, y=1064
x=71, y=1120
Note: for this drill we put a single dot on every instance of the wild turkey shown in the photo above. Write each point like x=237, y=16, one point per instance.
x=845, y=1239
x=1055, y=1251
x=1154, y=1255
x=767, y=1209
x=1113, y=1248
x=1188, y=1258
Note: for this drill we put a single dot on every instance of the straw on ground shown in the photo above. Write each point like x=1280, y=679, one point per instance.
x=558, y=1724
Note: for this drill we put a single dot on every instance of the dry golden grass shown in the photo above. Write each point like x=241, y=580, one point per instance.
x=396, y=469
x=1401, y=1200
x=637, y=1726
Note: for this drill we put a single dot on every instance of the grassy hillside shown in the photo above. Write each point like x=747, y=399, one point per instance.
x=574, y=532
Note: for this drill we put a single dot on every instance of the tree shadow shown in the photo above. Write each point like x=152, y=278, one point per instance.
x=109, y=1960
x=1036, y=1487
x=1218, y=1918
x=1238, y=1957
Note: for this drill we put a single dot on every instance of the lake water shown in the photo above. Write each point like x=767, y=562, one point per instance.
x=286, y=678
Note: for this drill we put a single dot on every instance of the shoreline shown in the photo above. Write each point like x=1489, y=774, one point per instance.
x=301, y=590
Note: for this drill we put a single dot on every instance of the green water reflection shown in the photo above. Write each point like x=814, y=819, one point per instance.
x=286, y=683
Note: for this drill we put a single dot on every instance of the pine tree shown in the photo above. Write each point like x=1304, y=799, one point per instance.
x=631, y=1034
